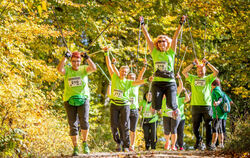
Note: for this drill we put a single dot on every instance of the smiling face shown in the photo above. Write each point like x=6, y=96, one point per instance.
x=75, y=62
x=124, y=70
x=162, y=44
x=149, y=96
x=132, y=76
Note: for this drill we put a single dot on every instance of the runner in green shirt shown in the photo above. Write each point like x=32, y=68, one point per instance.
x=76, y=95
x=163, y=53
x=119, y=98
x=218, y=114
x=134, y=114
x=149, y=121
x=201, y=99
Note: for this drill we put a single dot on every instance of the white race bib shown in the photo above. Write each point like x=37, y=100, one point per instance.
x=200, y=82
x=161, y=65
x=118, y=93
x=170, y=113
x=75, y=81
x=147, y=114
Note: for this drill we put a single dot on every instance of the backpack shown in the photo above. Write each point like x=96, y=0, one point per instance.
x=225, y=104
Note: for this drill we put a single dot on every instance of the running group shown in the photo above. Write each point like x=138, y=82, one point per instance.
x=163, y=99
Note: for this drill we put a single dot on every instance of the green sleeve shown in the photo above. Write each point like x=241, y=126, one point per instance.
x=217, y=95
x=66, y=67
x=190, y=78
x=211, y=78
x=228, y=97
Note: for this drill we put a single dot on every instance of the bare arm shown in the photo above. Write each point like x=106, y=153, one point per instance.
x=147, y=36
x=215, y=71
x=91, y=67
x=141, y=73
x=60, y=66
x=108, y=63
x=114, y=67
x=180, y=87
x=187, y=98
x=176, y=34
x=188, y=68
x=138, y=82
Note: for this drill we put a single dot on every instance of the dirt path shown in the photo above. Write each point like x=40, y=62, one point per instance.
x=155, y=154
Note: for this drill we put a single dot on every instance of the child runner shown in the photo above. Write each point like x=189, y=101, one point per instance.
x=149, y=123
x=76, y=96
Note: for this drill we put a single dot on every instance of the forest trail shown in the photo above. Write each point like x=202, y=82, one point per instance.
x=154, y=154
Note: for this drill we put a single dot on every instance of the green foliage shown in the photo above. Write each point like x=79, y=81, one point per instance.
x=31, y=46
x=239, y=141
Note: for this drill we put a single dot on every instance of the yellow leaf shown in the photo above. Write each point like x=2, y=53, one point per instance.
x=39, y=8
x=44, y=7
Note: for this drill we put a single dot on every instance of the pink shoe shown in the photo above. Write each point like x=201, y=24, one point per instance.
x=166, y=147
x=173, y=148
x=181, y=148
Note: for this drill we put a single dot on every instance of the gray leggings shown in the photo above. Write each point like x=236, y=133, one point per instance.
x=170, y=125
x=77, y=114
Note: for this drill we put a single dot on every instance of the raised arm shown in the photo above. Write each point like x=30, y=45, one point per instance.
x=114, y=67
x=139, y=82
x=189, y=67
x=92, y=66
x=146, y=34
x=60, y=66
x=141, y=73
x=108, y=63
x=187, y=97
x=177, y=32
x=180, y=86
x=215, y=71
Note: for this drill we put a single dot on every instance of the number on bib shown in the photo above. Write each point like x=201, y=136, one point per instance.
x=161, y=65
x=200, y=82
x=147, y=114
x=75, y=81
x=118, y=93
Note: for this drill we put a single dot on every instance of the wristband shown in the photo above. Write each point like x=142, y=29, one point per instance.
x=142, y=21
x=182, y=22
x=85, y=56
x=106, y=54
x=194, y=63
x=206, y=63
x=67, y=54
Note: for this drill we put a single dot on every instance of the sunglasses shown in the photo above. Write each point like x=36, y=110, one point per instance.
x=160, y=41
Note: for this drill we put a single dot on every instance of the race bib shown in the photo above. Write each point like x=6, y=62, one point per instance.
x=132, y=100
x=170, y=113
x=118, y=93
x=75, y=81
x=200, y=82
x=161, y=65
x=147, y=114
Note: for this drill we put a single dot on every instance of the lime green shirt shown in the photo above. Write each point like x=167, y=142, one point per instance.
x=167, y=112
x=146, y=112
x=120, y=90
x=201, y=89
x=181, y=105
x=75, y=82
x=133, y=97
x=163, y=61
x=216, y=95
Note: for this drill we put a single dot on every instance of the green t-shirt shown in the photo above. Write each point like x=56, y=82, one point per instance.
x=167, y=112
x=163, y=61
x=120, y=90
x=181, y=106
x=146, y=112
x=201, y=89
x=133, y=97
x=75, y=82
x=216, y=95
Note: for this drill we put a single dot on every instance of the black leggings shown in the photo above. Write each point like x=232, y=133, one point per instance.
x=180, y=133
x=150, y=134
x=169, y=89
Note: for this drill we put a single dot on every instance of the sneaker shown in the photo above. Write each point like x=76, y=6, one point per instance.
x=126, y=149
x=131, y=148
x=200, y=146
x=118, y=148
x=221, y=146
x=173, y=148
x=75, y=151
x=85, y=148
x=181, y=148
x=166, y=147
